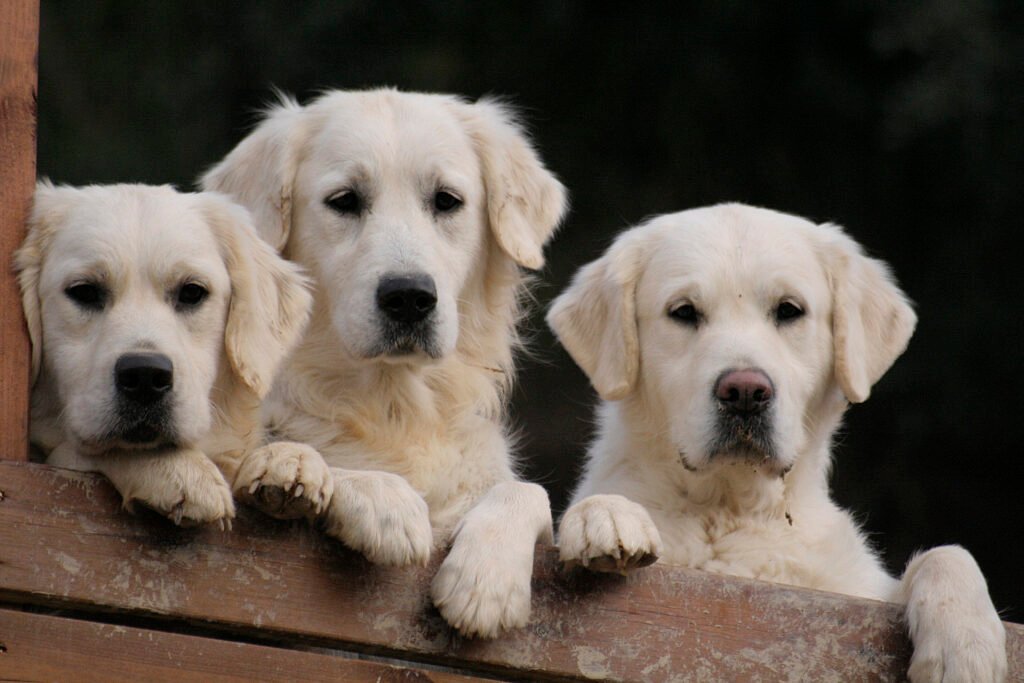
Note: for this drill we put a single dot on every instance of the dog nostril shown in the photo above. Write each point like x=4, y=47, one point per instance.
x=407, y=299
x=143, y=377
x=744, y=392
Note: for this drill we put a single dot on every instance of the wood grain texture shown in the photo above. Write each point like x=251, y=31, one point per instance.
x=65, y=542
x=46, y=648
x=19, y=46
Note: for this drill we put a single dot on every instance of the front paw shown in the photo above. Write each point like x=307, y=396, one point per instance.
x=962, y=649
x=187, y=488
x=381, y=516
x=953, y=624
x=608, y=533
x=286, y=480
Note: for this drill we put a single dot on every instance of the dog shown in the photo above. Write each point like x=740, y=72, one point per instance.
x=726, y=343
x=157, y=320
x=415, y=215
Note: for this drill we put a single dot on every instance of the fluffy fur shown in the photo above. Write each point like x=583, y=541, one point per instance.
x=390, y=428
x=671, y=309
x=102, y=273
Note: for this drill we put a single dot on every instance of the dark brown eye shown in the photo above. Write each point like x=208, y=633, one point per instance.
x=345, y=202
x=787, y=312
x=190, y=295
x=87, y=295
x=446, y=202
x=686, y=314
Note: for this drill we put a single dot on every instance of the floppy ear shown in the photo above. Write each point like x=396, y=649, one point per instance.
x=260, y=171
x=525, y=202
x=872, y=319
x=595, y=319
x=270, y=301
x=47, y=211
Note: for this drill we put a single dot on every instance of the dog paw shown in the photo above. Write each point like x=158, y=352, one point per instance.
x=286, y=480
x=482, y=590
x=608, y=533
x=381, y=516
x=955, y=629
x=483, y=586
x=186, y=487
x=967, y=649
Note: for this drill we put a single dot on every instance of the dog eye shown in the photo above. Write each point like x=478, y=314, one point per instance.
x=345, y=202
x=191, y=295
x=687, y=314
x=446, y=202
x=87, y=295
x=788, y=311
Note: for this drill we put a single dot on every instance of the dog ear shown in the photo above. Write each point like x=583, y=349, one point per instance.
x=525, y=202
x=872, y=319
x=260, y=171
x=270, y=300
x=47, y=212
x=595, y=319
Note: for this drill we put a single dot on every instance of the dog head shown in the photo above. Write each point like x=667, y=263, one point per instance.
x=733, y=325
x=391, y=200
x=136, y=296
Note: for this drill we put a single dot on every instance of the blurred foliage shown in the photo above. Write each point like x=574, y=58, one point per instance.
x=901, y=121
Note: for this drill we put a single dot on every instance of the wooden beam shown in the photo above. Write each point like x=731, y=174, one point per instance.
x=19, y=47
x=65, y=542
x=35, y=647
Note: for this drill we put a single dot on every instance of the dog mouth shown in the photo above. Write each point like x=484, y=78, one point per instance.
x=401, y=342
x=744, y=438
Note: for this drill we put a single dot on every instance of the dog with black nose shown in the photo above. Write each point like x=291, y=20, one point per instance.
x=157, y=321
x=726, y=343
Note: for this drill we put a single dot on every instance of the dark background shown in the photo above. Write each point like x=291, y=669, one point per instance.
x=901, y=121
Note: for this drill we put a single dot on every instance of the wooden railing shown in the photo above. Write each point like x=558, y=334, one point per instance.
x=89, y=592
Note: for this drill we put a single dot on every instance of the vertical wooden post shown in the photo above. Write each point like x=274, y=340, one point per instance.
x=19, y=49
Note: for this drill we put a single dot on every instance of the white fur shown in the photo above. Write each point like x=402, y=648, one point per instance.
x=139, y=244
x=433, y=414
x=767, y=517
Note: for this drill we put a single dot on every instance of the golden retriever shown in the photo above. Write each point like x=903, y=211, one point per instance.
x=726, y=343
x=157, y=320
x=414, y=214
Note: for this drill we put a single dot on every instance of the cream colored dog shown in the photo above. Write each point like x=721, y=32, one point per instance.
x=413, y=213
x=157, y=321
x=726, y=343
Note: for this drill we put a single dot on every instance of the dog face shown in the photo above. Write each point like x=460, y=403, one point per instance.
x=389, y=200
x=135, y=295
x=733, y=324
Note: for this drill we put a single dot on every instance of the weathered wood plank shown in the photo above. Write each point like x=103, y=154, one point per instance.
x=63, y=541
x=35, y=647
x=19, y=45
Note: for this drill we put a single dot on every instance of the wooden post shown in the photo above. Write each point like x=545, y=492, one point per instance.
x=19, y=49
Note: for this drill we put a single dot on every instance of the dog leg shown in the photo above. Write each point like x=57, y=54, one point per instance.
x=380, y=515
x=183, y=485
x=955, y=629
x=483, y=585
x=286, y=480
x=608, y=533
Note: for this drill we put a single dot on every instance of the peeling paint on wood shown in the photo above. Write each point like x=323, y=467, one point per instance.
x=284, y=581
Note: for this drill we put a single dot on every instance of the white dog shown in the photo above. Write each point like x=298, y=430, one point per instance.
x=157, y=321
x=413, y=213
x=726, y=343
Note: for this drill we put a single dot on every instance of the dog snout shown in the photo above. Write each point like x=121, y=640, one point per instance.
x=744, y=392
x=407, y=298
x=143, y=378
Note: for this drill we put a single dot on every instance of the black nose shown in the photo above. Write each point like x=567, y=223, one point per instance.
x=744, y=392
x=406, y=298
x=143, y=377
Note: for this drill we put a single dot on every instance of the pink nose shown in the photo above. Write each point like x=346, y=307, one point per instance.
x=744, y=392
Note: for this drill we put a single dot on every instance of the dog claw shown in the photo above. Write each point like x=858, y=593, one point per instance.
x=178, y=513
x=298, y=491
x=254, y=487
